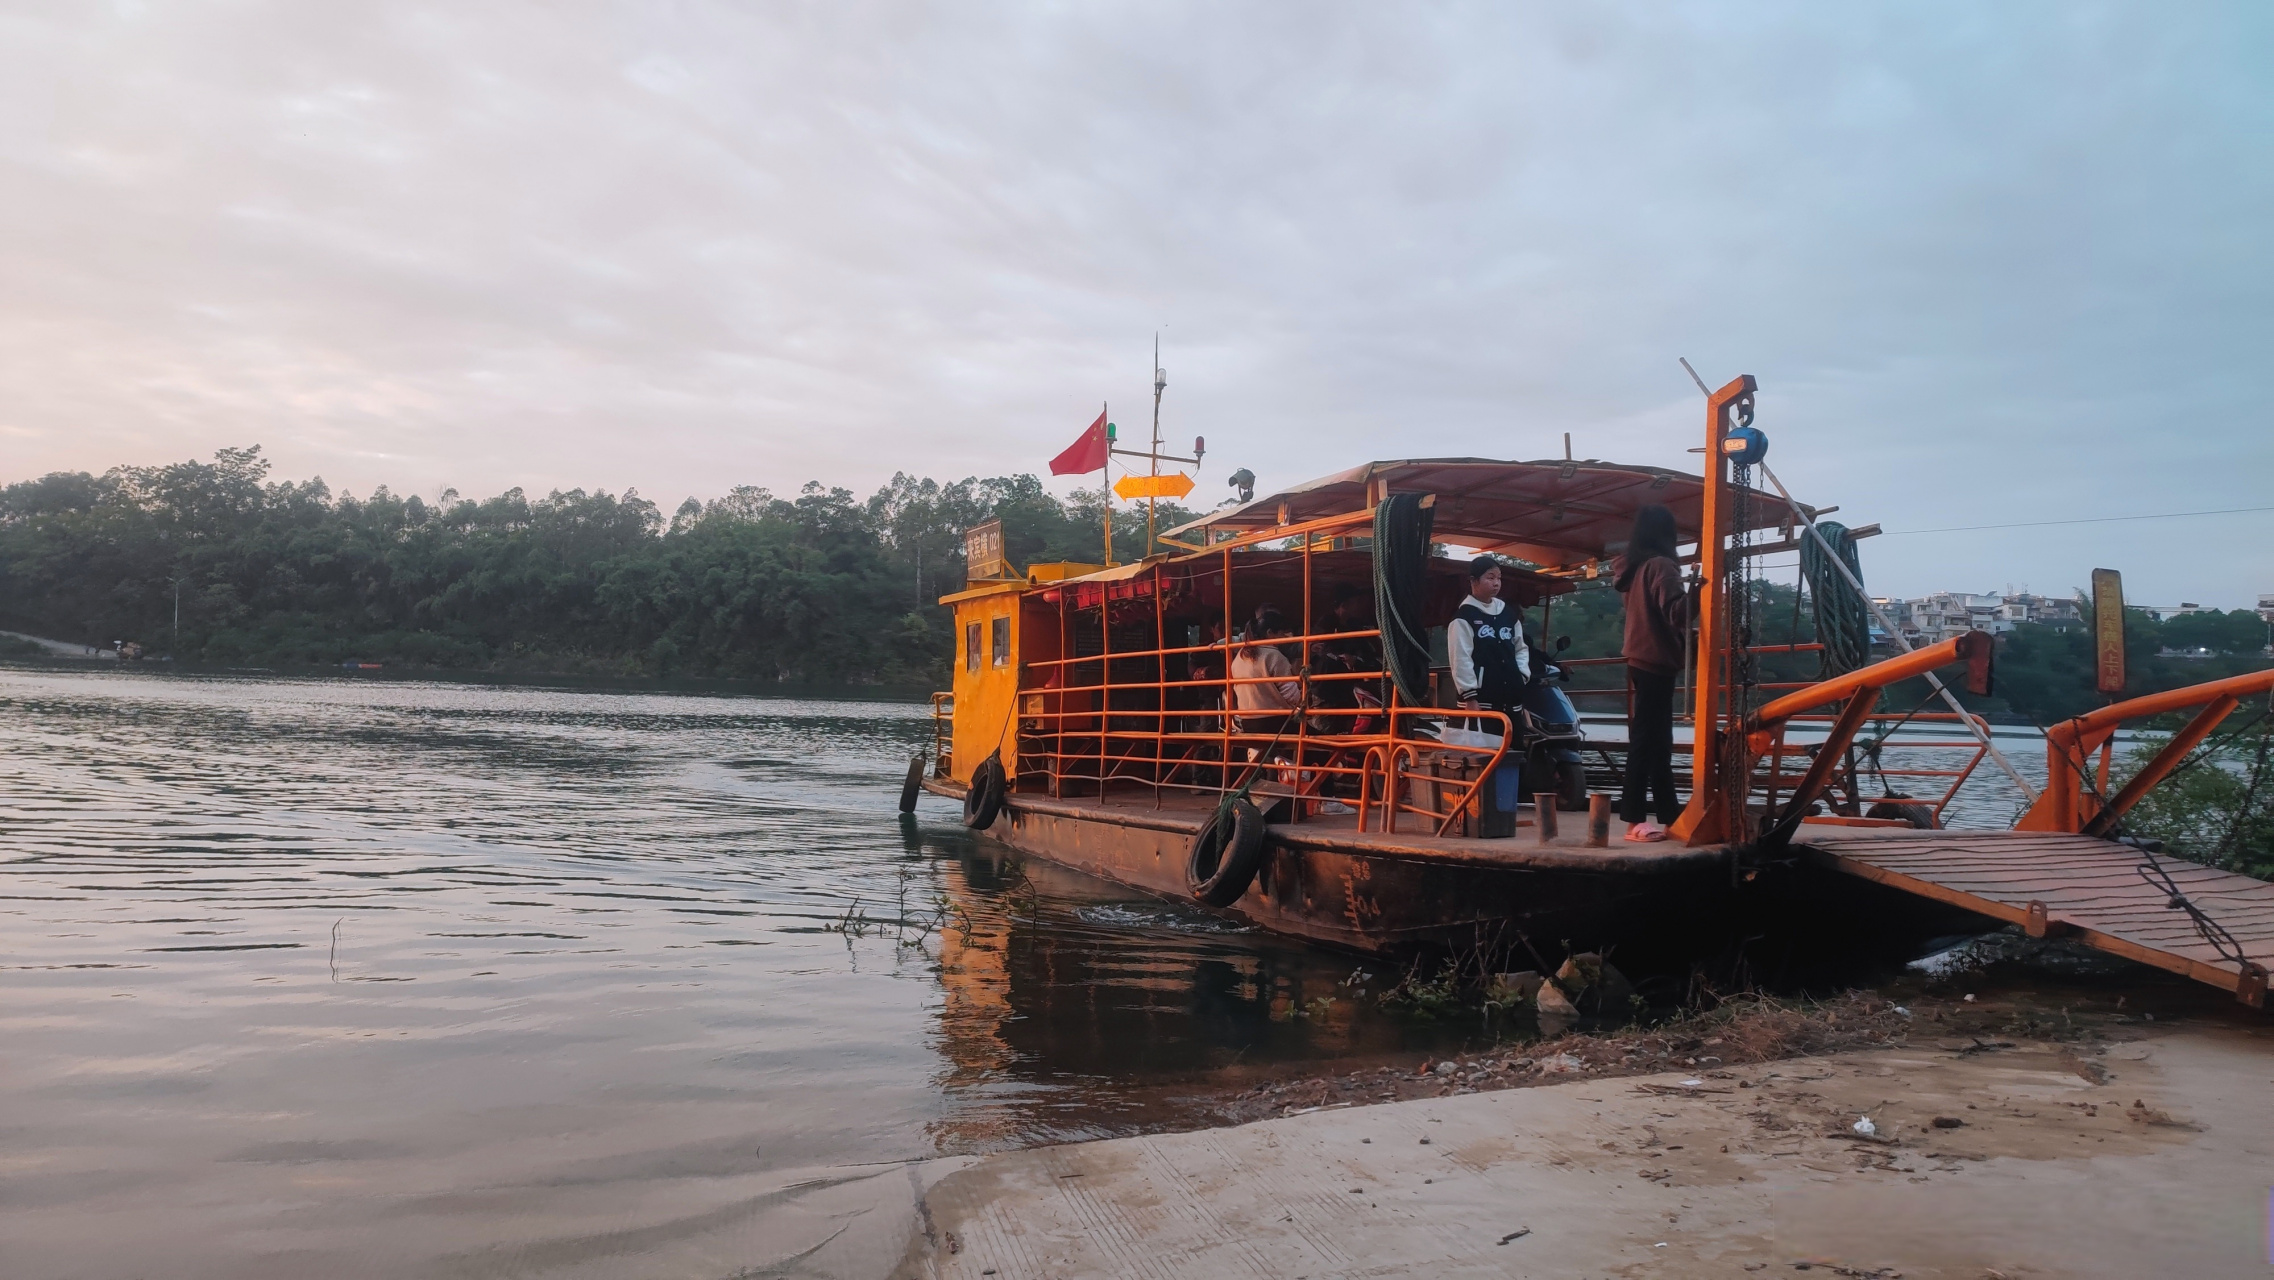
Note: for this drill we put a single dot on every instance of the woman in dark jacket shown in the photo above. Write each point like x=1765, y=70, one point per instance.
x=1650, y=580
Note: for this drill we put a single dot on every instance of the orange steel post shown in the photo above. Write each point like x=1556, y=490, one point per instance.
x=2158, y=769
x=1303, y=692
x=1224, y=778
x=1705, y=820
x=1160, y=652
x=2068, y=745
x=1065, y=686
x=1830, y=753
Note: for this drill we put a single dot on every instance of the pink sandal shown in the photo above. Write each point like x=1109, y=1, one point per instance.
x=1645, y=832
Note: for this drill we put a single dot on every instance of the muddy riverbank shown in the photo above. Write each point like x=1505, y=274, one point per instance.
x=2123, y=1150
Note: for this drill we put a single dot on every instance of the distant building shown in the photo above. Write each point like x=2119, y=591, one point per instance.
x=2166, y=612
x=2056, y=611
x=1949, y=613
x=1944, y=614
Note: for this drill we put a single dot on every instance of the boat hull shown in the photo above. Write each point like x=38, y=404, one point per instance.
x=1386, y=895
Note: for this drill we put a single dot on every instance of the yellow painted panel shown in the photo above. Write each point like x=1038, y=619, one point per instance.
x=985, y=689
x=1059, y=570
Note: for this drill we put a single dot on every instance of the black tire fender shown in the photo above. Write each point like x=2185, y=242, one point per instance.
x=1904, y=809
x=983, y=800
x=1226, y=853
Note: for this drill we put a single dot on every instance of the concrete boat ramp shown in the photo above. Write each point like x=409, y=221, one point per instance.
x=2137, y=1159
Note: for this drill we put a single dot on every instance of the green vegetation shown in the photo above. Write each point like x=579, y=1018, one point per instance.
x=819, y=587
x=2220, y=809
x=2047, y=673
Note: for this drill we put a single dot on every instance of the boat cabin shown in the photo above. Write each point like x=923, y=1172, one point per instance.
x=1090, y=681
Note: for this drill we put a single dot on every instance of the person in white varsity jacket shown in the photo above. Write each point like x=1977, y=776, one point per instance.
x=1485, y=641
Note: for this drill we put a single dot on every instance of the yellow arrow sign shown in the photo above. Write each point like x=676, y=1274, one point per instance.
x=1175, y=484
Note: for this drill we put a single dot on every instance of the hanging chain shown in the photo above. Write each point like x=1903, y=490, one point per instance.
x=1742, y=678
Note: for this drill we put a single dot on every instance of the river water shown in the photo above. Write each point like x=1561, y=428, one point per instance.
x=362, y=978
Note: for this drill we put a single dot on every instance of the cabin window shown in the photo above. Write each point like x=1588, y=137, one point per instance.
x=971, y=646
x=1002, y=642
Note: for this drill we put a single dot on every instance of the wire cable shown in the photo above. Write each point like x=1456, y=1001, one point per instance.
x=2043, y=524
x=2159, y=877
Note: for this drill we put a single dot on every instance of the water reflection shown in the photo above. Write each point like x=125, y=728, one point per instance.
x=362, y=978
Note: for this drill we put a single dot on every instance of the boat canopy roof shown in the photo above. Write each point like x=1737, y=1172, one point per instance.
x=1552, y=513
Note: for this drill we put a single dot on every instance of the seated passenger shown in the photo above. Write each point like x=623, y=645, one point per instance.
x=1208, y=664
x=1272, y=693
x=1351, y=706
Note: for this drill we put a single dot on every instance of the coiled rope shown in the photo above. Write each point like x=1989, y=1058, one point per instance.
x=1401, y=564
x=1842, y=625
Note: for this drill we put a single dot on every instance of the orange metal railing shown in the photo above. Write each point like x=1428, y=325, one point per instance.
x=1859, y=690
x=1204, y=747
x=1771, y=785
x=2071, y=803
x=1135, y=717
x=943, y=735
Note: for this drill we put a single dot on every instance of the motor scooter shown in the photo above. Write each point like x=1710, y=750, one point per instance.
x=1548, y=735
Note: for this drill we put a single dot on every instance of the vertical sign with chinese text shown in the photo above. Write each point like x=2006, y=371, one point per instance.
x=2108, y=629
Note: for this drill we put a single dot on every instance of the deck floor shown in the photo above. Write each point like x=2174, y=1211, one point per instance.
x=1415, y=834
x=2091, y=889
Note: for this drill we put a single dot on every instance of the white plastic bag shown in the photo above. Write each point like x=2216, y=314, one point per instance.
x=1469, y=738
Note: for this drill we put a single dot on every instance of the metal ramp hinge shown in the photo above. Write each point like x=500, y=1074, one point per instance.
x=2037, y=924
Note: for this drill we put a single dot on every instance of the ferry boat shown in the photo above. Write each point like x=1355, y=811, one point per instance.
x=1093, y=720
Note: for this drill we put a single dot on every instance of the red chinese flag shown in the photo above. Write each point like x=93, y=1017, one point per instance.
x=1084, y=455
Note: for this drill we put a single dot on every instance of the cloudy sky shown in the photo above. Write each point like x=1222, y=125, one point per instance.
x=1991, y=264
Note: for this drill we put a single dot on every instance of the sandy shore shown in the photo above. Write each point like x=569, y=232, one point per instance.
x=2147, y=1155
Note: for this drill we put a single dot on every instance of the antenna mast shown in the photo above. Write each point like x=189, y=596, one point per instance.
x=1160, y=383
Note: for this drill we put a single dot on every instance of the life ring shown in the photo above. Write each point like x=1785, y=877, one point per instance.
x=1917, y=815
x=983, y=799
x=1225, y=855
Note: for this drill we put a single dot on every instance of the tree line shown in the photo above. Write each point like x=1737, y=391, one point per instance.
x=818, y=587
x=822, y=586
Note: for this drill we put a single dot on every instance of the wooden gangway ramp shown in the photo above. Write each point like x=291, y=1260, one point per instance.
x=2098, y=892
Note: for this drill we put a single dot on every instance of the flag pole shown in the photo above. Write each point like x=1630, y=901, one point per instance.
x=1105, y=480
